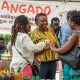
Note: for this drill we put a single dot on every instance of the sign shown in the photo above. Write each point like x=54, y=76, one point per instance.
x=9, y=10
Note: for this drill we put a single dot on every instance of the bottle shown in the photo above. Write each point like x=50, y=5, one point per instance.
x=9, y=52
x=5, y=55
x=4, y=75
x=1, y=71
x=18, y=74
x=9, y=56
x=6, y=52
x=29, y=79
x=11, y=76
x=37, y=78
x=24, y=78
x=8, y=73
x=0, y=74
x=33, y=78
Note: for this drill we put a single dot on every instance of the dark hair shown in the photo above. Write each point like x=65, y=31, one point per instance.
x=1, y=38
x=76, y=18
x=70, y=13
x=22, y=20
x=54, y=19
x=38, y=15
x=19, y=25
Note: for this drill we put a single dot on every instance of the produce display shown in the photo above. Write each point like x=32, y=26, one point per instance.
x=7, y=55
x=7, y=74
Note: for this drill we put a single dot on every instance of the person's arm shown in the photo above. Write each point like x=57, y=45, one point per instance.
x=41, y=51
x=65, y=48
x=27, y=42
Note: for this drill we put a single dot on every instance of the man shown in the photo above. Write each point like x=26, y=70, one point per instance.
x=46, y=56
x=55, y=24
x=66, y=30
x=2, y=46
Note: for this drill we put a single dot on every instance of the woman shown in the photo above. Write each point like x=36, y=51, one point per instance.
x=21, y=41
x=47, y=57
x=72, y=40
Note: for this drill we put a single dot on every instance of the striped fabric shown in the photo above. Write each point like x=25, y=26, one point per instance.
x=38, y=36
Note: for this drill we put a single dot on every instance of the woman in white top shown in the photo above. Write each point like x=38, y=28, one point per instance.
x=22, y=42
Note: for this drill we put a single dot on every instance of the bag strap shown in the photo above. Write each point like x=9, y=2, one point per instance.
x=77, y=43
x=22, y=56
x=77, y=37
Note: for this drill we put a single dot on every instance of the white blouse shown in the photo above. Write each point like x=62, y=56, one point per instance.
x=27, y=48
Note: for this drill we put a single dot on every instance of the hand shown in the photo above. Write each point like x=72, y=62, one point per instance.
x=47, y=47
x=52, y=46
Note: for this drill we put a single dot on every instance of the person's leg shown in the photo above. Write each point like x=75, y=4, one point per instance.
x=74, y=78
x=60, y=70
x=52, y=70
x=66, y=71
x=74, y=74
x=43, y=70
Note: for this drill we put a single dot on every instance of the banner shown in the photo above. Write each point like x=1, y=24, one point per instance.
x=9, y=10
